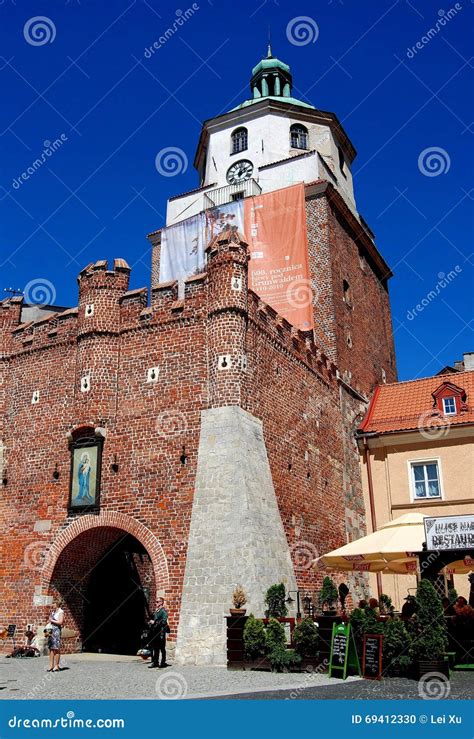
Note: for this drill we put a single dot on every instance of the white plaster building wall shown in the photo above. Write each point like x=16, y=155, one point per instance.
x=344, y=184
x=185, y=207
x=303, y=169
x=268, y=141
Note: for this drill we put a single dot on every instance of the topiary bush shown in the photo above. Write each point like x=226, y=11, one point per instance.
x=430, y=641
x=254, y=638
x=452, y=595
x=357, y=621
x=305, y=638
x=328, y=594
x=396, y=647
x=282, y=659
x=275, y=635
x=385, y=604
x=364, y=621
x=275, y=602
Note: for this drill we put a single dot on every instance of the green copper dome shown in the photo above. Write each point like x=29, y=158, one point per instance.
x=271, y=78
x=269, y=63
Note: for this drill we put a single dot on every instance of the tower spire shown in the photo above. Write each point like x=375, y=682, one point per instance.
x=269, y=47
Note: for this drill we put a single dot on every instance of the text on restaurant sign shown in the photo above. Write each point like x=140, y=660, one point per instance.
x=449, y=532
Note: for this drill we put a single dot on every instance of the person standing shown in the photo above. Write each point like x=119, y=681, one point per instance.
x=159, y=629
x=56, y=620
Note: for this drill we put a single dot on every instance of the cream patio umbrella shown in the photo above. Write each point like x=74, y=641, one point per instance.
x=392, y=548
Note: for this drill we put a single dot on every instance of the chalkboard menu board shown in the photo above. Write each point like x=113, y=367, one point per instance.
x=339, y=649
x=11, y=630
x=372, y=656
x=343, y=652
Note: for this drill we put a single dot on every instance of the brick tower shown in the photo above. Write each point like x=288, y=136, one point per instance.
x=226, y=433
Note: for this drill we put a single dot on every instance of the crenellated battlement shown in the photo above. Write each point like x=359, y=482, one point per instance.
x=106, y=305
x=296, y=342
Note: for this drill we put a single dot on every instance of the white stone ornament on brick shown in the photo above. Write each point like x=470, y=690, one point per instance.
x=152, y=374
x=85, y=383
x=237, y=283
x=242, y=361
x=89, y=311
x=224, y=362
x=35, y=397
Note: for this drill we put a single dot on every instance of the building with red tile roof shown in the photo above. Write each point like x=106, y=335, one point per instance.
x=417, y=448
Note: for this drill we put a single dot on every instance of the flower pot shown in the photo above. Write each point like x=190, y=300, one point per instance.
x=237, y=611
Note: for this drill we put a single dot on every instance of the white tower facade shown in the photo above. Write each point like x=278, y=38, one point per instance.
x=268, y=142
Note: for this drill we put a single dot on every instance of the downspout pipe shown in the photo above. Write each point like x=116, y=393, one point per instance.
x=372, y=503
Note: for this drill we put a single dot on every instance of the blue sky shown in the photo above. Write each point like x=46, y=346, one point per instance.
x=99, y=193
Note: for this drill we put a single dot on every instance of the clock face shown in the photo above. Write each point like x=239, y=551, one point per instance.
x=239, y=172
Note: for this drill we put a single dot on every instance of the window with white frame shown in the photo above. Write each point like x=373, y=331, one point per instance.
x=426, y=480
x=449, y=406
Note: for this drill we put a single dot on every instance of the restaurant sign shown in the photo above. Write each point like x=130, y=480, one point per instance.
x=444, y=533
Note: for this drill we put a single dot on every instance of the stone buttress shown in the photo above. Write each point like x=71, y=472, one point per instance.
x=236, y=534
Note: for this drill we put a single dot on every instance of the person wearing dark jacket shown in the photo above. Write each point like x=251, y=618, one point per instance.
x=159, y=629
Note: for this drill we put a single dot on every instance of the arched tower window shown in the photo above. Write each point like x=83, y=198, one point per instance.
x=239, y=140
x=298, y=136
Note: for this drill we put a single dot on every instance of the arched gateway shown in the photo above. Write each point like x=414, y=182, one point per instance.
x=106, y=568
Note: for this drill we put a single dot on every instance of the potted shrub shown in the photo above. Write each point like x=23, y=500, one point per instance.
x=396, y=648
x=364, y=621
x=328, y=596
x=254, y=638
x=239, y=599
x=280, y=658
x=386, y=605
x=275, y=602
x=305, y=638
x=430, y=640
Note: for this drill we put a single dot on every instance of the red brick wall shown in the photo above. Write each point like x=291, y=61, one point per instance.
x=357, y=337
x=289, y=382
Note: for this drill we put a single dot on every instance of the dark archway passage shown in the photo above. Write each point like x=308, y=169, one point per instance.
x=116, y=600
x=105, y=577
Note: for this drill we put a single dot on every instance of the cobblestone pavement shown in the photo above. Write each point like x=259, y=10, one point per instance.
x=114, y=677
x=461, y=687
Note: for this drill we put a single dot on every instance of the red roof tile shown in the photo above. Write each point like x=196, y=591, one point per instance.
x=404, y=406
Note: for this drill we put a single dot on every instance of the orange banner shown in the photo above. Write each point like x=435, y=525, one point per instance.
x=275, y=225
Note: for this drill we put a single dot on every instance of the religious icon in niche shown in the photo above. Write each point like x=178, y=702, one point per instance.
x=86, y=457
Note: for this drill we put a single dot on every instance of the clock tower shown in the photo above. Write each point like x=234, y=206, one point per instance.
x=269, y=141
